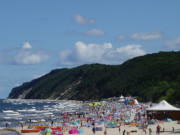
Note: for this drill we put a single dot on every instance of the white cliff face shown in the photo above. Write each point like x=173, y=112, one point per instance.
x=25, y=92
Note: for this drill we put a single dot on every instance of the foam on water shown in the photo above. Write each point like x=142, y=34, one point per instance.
x=17, y=110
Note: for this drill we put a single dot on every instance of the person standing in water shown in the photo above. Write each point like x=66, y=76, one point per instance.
x=22, y=125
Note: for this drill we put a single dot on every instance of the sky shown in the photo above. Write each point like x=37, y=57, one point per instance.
x=37, y=36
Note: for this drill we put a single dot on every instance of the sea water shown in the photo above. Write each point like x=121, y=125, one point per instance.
x=16, y=111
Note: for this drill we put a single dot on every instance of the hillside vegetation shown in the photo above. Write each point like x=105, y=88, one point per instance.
x=149, y=78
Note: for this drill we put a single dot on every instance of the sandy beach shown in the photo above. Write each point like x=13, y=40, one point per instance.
x=131, y=118
x=168, y=128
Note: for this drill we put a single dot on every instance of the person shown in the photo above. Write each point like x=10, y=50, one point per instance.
x=119, y=129
x=144, y=130
x=105, y=132
x=81, y=123
x=150, y=131
x=22, y=125
x=94, y=130
x=158, y=129
x=7, y=125
x=52, y=122
x=163, y=129
x=93, y=124
x=173, y=129
x=124, y=132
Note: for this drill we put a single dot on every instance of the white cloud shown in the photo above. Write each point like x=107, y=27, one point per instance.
x=94, y=32
x=121, y=37
x=38, y=76
x=96, y=53
x=144, y=36
x=24, y=55
x=81, y=20
x=173, y=44
x=17, y=84
x=28, y=57
x=147, y=36
x=131, y=50
x=26, y=45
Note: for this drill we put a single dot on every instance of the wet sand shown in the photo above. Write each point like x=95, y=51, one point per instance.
x=7, y=132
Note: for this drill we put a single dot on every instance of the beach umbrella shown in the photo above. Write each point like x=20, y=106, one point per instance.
x=126, y=121
x=169, y=120
x=43, y=132
x=59, y=133
x=48, y=133
x=80, y=131
x=110, y=117
x=103, y=119
x=73, y=131
x=112, y=123
x=72, y=121
x=90, y=104
x=48, y=130
x=76, y=123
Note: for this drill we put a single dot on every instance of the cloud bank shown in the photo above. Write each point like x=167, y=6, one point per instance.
x=96, y=53
x=81, y=20
x=173, y=44
x=143, y=36
x=23, y=56
x=94, y=32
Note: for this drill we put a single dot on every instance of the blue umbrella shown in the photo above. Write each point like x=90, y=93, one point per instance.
x=76, y=123
x=126, y=101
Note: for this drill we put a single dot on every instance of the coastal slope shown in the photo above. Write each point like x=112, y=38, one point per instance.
x=149, y=78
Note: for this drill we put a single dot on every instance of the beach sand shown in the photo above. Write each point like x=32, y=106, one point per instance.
x=115, y=131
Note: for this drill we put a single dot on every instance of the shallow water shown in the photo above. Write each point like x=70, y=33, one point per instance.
x=15, y=111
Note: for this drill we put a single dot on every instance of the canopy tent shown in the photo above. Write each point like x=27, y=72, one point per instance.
x=136, y=102
x=163, y=106
x=164, y=110
x=121, y=99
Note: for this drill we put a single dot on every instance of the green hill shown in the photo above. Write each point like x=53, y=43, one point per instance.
x=150, y=78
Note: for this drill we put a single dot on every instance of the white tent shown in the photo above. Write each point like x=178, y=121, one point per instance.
x=163, y=111
x=136, y=102
x=121, y=99
x=163, y=106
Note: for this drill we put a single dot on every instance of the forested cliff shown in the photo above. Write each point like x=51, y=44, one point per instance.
x=150, y=78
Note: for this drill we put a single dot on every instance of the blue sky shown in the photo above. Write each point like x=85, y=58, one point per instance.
x=37, y=36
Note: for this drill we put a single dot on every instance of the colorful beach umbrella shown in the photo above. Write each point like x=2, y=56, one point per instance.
x=72, y=121
x=112, y=123
x=48, y=130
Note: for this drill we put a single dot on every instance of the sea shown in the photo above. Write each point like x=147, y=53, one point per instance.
x=16, y=111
